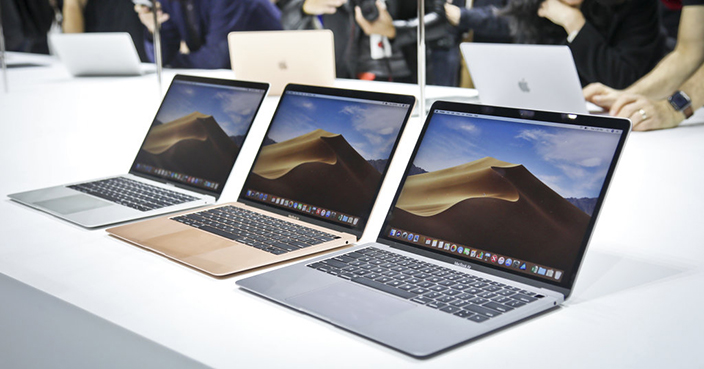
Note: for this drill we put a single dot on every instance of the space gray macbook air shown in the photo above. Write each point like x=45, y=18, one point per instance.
x=489, y=227
x=98, y=54
x=184, y=161
x=539, y=77
x=312, y=186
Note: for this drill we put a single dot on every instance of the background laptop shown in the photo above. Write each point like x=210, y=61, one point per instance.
x=98, y=54
x=540, y=77
x=282, y=57
x=184, y=161
x=314, y=181
x=489, y=227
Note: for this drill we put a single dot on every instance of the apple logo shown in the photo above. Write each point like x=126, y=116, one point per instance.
x=282, y=65
x=523, y=85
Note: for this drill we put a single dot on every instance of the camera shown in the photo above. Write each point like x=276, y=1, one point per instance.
x=368, y=7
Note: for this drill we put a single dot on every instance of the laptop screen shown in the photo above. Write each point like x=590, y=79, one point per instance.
x=198, y=131
x=326, y=153
x=514, y=194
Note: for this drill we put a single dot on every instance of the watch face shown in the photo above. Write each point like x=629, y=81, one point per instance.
x=679, y=101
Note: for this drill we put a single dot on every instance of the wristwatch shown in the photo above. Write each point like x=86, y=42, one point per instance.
x=681, y=102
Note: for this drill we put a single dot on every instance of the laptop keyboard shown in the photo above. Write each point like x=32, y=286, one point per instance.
x=260, y=231
x=461, y=294
x=131, y=193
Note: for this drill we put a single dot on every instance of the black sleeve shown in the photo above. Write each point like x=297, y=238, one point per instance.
x=292, y=16
x=629, y=48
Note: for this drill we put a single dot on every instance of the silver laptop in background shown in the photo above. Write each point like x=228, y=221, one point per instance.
x=99, y=54
x=282, y=57
x=539, y=77
x=488, y=227
x=184, y=161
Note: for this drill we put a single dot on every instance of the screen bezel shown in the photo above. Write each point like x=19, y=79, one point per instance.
x=357, y=230
x=565, y=286
x=206, y=80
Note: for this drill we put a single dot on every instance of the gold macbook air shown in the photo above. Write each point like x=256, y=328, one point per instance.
x=282, y=57
x=311, y=188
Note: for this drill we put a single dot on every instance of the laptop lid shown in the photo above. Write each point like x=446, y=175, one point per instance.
x=325, y=154
x=198, y=131
x=97, y=53
x=514, y=193
x=540, y=77
x=282, y=57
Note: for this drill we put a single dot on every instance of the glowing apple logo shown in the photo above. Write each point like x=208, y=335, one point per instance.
x=523, y=85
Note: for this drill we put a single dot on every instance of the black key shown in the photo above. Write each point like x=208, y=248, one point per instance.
x=464, y=313
x=523, y=298
x=386, y=288
x=482, y=311
x=515, y=303
x=498, y=307
x=335, y=263
x=478, y=318
x=451, y=309
x=217, y=232
x=421, y=300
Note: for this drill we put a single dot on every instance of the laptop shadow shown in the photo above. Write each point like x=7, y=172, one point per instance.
x=605, y=273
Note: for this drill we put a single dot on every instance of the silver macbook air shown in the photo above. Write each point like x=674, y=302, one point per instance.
x=282, y=57
x=540, y=77
x=184, y=161
x=489, y=227
x=98, y=54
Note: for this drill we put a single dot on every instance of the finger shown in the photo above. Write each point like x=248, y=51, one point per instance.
x=619, y=103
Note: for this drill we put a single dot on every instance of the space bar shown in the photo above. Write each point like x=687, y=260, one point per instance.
x=384, y=287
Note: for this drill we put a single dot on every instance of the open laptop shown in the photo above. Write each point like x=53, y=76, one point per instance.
x=98, y=54
x=311, y=188
x=489, y=227
x=540, y=77
x=184, y=161
x=282, y=57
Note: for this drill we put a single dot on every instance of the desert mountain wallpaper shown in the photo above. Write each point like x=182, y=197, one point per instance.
x=193, y=144
x=303, y=168
x=199, y=129
x=329, y=152
x=490, y=204
x=519, y=190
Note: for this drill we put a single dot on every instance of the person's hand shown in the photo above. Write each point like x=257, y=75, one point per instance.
x=453, y=13
x=381, y=26
x=646, y=114
x=566, y=15
x=147, y=18
x=601, y=95
x=318, y=7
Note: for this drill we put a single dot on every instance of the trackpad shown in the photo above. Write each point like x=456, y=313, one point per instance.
x=350, y=305
x=73, y=204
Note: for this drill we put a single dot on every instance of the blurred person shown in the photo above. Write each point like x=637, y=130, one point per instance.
x=194, y=32
x=104, y=16
x=26, y=24
x=482, y=18
x=671, y=92
x=373, y=39
x=614, y=42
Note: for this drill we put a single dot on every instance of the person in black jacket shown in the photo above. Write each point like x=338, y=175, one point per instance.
x=391, y=54
x=614, y=42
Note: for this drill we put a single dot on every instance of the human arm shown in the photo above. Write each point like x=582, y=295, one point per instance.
x=381, y=26
x=650, y=114
x=300, y=14
x=680, y=64
x=73, y=16
x=483, y=20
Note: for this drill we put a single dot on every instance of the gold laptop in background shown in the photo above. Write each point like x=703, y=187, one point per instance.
x=282, y=57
